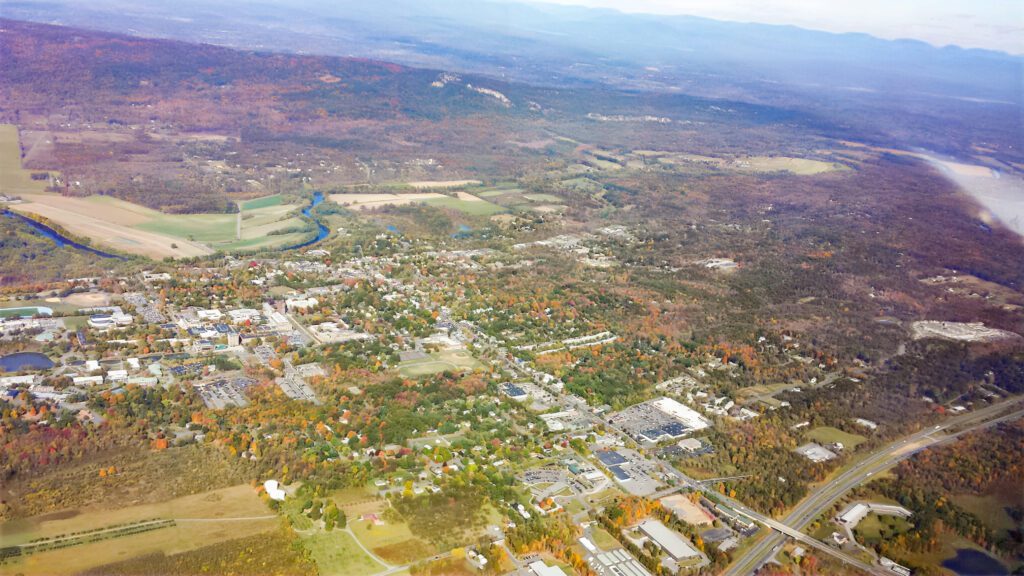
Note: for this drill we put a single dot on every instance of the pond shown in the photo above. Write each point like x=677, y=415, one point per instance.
x=25, y=361
x=970, y=562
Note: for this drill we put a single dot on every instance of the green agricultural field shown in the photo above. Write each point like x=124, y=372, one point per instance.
x=263, y=202
x=542, y=197
x=336, y=553
x=495, y=192
x=473, y=208
x=436, y=362
x=205, y=228
x=14, y=179
x=829, y=435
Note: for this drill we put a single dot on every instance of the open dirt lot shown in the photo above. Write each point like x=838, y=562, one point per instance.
x=687, y=511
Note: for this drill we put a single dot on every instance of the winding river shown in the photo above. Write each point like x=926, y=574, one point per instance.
x=321, y=230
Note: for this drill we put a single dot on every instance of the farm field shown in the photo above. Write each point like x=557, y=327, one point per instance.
x=428, y=184
x=829, y=435
x=109, y=222
x=202, y=519
x=361, y=201
x=798, y=166
x=14, y=180
x=474, y=207
x=758, y=164
x=264, y=202
x=439, y=362
x=466, y=203
x=136, y=229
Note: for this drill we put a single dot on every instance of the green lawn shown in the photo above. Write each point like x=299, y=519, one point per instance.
x=337, y=554
x=875, y=528
x=829, y=435
x=603, y=540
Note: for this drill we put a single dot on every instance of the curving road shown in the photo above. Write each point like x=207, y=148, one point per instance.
x=882, y=459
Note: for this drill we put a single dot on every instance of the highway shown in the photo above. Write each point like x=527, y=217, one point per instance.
x=826, y=495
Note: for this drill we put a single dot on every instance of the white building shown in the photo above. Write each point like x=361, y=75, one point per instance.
x=673, y=544
x=274, y=490
x=293, y=304
x=684, y=414
x=243, y=315
x=211, y=315
x=539, y=568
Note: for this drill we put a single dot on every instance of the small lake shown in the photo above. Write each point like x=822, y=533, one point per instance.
x=25, y=361
x=970, y=562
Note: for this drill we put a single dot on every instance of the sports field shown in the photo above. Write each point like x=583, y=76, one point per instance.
x=436, y=362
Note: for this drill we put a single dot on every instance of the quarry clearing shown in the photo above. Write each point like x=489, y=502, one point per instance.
x=959, y=331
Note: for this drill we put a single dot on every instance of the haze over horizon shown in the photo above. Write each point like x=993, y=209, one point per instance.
x=988, y=24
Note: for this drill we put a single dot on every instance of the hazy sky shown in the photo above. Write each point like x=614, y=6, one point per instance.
x=995, y=24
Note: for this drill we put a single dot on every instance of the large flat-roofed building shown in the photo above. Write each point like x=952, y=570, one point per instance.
x=659, y=420
x=539, y=568
x=673, y=544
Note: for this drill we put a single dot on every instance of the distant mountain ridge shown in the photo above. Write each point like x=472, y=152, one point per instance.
x=538, y=42
x=913, y=95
